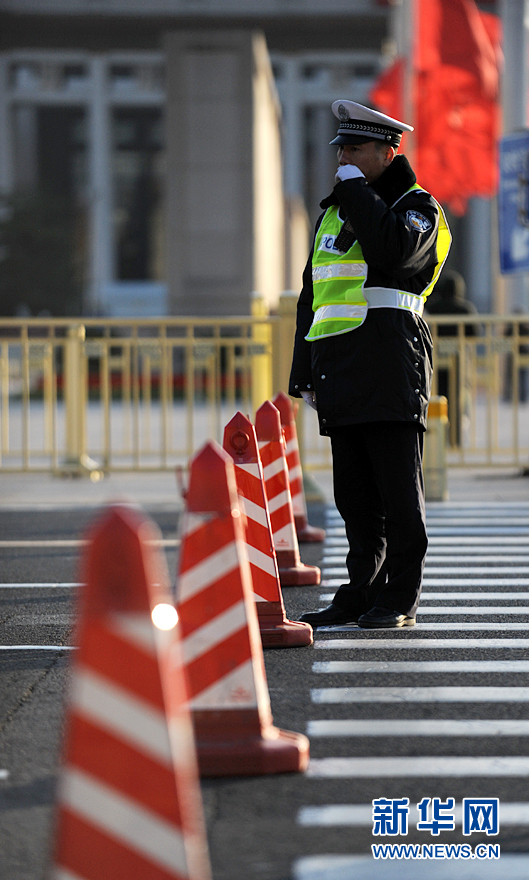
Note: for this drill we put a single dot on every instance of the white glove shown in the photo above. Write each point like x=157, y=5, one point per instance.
x=310, y=398
x=348, y=172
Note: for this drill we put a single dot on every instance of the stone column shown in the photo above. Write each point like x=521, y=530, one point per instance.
x=224, y=189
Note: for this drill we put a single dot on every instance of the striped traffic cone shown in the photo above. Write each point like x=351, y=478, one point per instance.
x=222, y=646
x=292, y=572
x=129, y=804
x=276, y=630
x=306, y=533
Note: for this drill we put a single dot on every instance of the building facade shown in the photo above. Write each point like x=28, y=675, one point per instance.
x=84, y=119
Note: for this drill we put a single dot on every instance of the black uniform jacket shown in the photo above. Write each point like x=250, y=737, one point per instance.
x=382, y=370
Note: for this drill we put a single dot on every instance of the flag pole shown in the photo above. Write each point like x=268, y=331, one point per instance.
x=404, y=29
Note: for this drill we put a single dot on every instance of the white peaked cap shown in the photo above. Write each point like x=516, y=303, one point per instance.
x=359, y=123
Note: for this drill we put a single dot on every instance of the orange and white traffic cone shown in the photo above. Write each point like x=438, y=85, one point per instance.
x=276, y=630
x=292, y=571
x=129, y=804
x=306, y=533
x=221, y=642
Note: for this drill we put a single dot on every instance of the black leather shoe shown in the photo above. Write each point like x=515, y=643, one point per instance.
x=384, y=617
x=330, y=616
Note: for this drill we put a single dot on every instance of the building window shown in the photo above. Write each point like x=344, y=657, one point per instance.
x=138, y=176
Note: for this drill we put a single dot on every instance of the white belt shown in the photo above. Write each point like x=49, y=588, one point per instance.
x=386, y=297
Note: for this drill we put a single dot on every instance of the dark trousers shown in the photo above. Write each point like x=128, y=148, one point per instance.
x=379, y=492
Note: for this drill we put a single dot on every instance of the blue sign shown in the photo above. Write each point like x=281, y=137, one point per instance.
x=513, y=203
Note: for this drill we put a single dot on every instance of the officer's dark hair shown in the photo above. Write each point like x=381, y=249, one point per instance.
x=383, y=145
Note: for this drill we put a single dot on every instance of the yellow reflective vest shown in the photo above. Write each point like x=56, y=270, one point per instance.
x=341, y=300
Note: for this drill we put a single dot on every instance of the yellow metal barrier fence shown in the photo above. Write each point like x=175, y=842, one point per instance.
x=93, y=395
x=481, y=365
x=90, y=395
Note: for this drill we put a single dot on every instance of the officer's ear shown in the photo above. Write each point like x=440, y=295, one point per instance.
x=390, y=154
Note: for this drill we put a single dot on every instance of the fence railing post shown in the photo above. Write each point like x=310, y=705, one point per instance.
x=76, y=462
x=261, y=359
x=283, y=348
x=285, y=330
x=435, y=440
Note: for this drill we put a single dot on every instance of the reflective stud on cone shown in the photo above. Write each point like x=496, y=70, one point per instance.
x=306, y=533
x=292, y=571
x=276, y=630
x=221, y=641
x=129, y=803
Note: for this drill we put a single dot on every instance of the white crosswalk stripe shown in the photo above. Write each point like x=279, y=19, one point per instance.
x=514, y=866
x=409, y=728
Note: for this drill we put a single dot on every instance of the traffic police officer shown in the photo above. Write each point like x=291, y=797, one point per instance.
x=363, y=359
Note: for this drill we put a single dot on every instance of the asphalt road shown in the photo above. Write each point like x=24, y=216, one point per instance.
x=270, y=827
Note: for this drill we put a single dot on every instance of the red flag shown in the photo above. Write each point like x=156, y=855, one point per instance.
x=388, y=91
x=456, y=86
x=454, y=33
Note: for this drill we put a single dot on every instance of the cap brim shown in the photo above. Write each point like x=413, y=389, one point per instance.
x=343, y=139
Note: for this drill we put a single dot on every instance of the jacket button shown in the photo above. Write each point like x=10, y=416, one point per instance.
x=415, y=339
x=323, y=377
x=417, y=391
x=416, y=364
x=324, y=421
x=415, y=416
x=309, y=386
x=297, y=386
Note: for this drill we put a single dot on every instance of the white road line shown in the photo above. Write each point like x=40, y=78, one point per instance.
x=408, y=634
x=476, y=582
x=38, y=586
x=484, y=570
x=469, y=515
x=471, y=609
x=38, y=648
x=416, y=727
x=484, y=595
x=477, y=531
x=444, y=555
x=455, y=542
x=461, y=532
x=79, y=542
x=412, y=644
x=450, y=666
x=509, y=576
x=508, y=518
x=455, y=522
x=469, y=505
x=59, y=542
x=332, y=867
x=444, y=582
x=362, y=814
x=458, y=531
x=419, y=766
x=442, y=694
x=458, y=540
x=447, y=556
x=461, y=508
x=462, y=596
x=446, y=562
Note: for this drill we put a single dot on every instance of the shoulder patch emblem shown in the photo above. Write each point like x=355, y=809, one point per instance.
x=418, y=221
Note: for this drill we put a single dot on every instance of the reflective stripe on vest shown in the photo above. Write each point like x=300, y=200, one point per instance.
x=341, y=301
x=337, y=280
